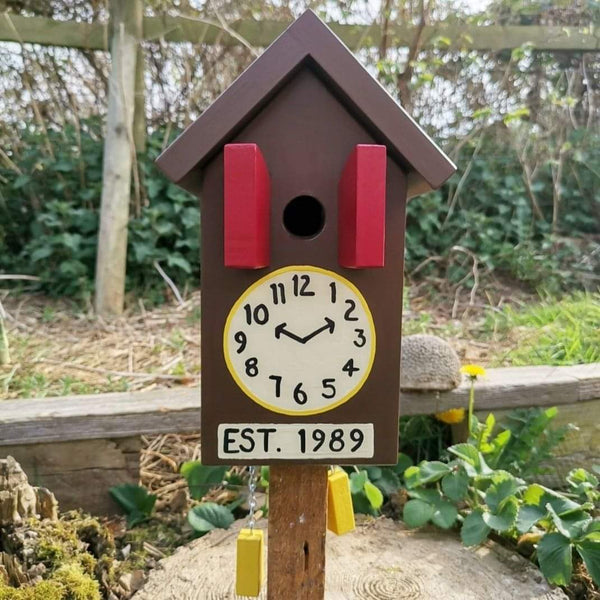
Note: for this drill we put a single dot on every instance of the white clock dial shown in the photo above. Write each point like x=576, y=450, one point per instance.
x=300, y=341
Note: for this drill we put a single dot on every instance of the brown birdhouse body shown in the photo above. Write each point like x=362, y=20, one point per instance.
x=303, y=168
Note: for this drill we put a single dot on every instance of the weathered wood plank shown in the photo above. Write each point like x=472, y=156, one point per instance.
x=99, y=416
x=80, y=473
x=118, y=155
x=40, y=30
x=178, y=409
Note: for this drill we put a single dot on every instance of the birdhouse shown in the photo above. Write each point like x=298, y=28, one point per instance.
x=303, y=168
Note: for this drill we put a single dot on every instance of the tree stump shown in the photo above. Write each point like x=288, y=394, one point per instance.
x=380, y=560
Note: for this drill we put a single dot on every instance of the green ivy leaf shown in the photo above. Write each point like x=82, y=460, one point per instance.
x=431, y=471
x=389, y=482
x=474, y=530
x=456, y=485
x=404, y=461
x=135, y=500
x=445, y=515
x=503, y=485
x=466, y=452
x=208, y=516
x=201, y=478
x=589, y=550
x=506, y=516
x=572, y=524
x=412, y=477
x=374, y=495
x=416, y=513
x=529, y=515
x=357, y=481
x=555, y=558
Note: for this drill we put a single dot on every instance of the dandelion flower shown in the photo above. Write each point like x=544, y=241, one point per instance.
x=452, y=416
x=473, y=371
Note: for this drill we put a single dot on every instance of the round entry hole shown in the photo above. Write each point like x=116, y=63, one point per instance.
x=304, y=216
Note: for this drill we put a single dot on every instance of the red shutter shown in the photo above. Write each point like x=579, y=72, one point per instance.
x=247, y=207
x=361, y=208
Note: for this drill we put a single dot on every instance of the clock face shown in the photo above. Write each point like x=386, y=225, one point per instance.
x=300, y=341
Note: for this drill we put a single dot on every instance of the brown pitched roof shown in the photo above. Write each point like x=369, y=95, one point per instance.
x=308, y=41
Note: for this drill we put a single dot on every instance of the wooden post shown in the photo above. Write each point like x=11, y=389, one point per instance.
x=297, y=525
x=118, y=148
x=139, y=110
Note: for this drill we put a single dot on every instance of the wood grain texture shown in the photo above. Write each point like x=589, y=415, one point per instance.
x=80, y=473
x=37, y=420
x=117, y=153
x=380, y=560
x=94, y=36
x=99, y=416
x=297, y=526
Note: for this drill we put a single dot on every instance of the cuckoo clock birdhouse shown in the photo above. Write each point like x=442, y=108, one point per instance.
x=303, y=168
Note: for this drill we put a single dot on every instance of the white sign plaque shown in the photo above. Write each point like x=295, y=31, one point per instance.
x=292, y=441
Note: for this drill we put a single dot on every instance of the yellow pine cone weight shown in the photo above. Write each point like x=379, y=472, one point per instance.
x=249, y=562
x=340, y=514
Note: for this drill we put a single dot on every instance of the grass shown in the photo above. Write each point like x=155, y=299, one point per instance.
x=553, y=332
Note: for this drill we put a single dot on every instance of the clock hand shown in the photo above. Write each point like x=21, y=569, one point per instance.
x=281, y=330
x=330, y=324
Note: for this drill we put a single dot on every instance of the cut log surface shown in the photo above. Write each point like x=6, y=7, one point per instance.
x=380, y=560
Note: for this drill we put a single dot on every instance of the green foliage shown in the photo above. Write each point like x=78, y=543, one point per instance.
x=531, y=442
x=423, y=437
x=208, y=516
x=491, y=214
x=554, y=332
x=49, y=211
x=370, y=486
x=135, y=500
x=466, y=490
x=201, y=478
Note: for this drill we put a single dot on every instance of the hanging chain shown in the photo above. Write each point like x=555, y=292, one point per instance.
x=251, y=496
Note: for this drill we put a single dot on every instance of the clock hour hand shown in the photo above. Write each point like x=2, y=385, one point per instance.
x=330, y=324
x=281, y=330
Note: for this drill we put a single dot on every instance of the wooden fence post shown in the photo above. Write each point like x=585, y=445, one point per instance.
x=139, y=110
x=297, y=526
x=118, y=148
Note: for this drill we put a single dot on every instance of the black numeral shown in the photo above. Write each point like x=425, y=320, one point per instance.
x=362, y=340
x=302, y=289
x=277, y=380
x=351, y=307
x=350, y=368
x=278, y=290
x=252, y=367
x=240, y=338
x=302, y=434
x=318, y=435
x=260, y=314
x=336, y=443
x=356, y=435
x=328, y=385
x=300, y=396
x=333, y=292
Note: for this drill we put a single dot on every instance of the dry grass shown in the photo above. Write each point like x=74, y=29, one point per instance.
x=56, y=349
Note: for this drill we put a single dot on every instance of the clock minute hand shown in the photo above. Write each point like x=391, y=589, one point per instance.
x=281, y=330
x=330, y=324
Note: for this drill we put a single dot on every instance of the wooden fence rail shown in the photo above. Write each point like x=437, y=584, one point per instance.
x=171, y=410
x=96, y=36
x=128, y=26
x=80, y=446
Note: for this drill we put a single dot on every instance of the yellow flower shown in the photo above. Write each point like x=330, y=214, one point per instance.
x=452, y=416
x=473, y=371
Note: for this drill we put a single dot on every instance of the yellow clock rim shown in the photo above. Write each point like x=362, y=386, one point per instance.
x=259, y=282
